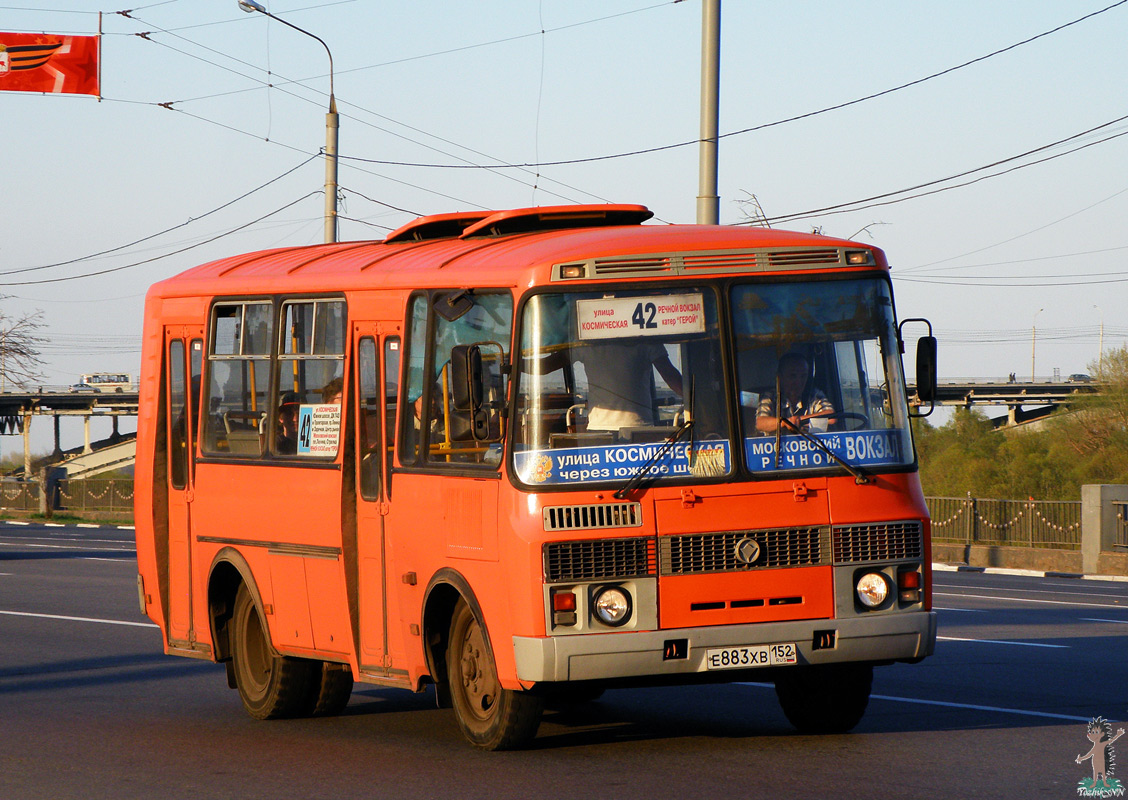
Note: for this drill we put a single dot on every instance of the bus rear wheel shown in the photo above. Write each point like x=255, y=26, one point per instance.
x=271, y=686
x=330, y=689
x=828, y=698
x=490, y=716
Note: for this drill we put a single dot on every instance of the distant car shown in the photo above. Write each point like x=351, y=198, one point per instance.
x=1079, y=377
x=84, y=387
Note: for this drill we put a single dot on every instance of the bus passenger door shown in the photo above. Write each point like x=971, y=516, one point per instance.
x=377, y=349
x=183, y=362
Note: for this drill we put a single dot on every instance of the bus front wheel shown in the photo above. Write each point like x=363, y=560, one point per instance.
x=491, y=717
x=271, y=686
x=828, y=698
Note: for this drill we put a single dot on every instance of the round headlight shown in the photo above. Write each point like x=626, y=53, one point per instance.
x=612, y=605
x=872, y=590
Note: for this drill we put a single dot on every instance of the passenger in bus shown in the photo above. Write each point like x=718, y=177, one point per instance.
x=286, y=442
x=803, y=405
x=618, y=377
x=333, y=391
x=619, y=383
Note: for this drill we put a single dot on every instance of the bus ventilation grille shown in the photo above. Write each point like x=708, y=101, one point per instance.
x=598, y=515
x=882, y=541
x=698, y=553
x=600, y=559
x=714, y=262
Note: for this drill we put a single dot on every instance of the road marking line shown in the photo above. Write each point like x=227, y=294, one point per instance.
x=14, y=522
x=999, y=641
x=1026, y=600
x=1118, y=621
x=87, y=525
x=964, y=706
x=67, y=547
x=965, y=610
x=78, y=619
x=1039, y=591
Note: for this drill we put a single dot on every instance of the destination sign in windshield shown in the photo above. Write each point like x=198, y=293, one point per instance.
x=620, y=317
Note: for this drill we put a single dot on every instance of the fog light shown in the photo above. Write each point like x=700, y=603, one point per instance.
x=872, y=589
x=612, y=605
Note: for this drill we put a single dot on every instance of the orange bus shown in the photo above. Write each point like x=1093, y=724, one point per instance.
x=530, y=455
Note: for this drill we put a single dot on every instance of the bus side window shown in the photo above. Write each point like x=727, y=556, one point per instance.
x=238, y=378
x=177, y=415
x=391, y=397
x=487, y=321
x=410, y=424
x=370, y=406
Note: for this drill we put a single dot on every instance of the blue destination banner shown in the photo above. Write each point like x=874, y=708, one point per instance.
x=857, y=448
x=611, y=462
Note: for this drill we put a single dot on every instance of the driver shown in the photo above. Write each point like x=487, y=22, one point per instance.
x=801, y=402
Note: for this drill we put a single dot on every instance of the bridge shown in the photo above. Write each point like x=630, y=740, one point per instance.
x=1016, y=395
x=18, y=408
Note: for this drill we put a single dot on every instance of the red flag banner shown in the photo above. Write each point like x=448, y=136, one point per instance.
x=46, y=62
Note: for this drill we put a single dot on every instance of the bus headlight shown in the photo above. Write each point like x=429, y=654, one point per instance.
x=872, y=589
x=611, y=605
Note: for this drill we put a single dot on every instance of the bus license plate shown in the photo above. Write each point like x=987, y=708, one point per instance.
x=764, y=655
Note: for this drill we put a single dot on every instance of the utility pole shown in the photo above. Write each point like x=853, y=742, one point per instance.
x=708, y=203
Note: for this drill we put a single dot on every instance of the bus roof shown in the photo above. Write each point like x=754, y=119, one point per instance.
x=490, y=249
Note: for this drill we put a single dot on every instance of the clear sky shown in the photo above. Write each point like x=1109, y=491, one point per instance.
x=496, y=82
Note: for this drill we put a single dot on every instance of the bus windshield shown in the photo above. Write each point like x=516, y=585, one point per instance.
x=819, y=361
x=605, y=378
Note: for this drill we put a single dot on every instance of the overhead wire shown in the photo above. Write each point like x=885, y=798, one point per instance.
x=162, y=232
x=786, y=120
x=166, y=255
x=875, y=201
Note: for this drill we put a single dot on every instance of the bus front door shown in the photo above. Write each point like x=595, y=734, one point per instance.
x=377, y=348
x=183, y=362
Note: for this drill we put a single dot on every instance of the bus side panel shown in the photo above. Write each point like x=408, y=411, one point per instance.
x=287, y=520
x=891, y=497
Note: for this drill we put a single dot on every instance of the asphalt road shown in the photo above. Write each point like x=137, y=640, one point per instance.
x=91, y=708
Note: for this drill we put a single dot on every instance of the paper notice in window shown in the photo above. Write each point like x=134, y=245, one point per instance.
x=319, y=430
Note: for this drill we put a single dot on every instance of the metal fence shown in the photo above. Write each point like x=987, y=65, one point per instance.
x=1120, y=531
x=106, y=498
x=19, y=496
x=1018, y=523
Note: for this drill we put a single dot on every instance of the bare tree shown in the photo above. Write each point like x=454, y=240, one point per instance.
x=20, y=346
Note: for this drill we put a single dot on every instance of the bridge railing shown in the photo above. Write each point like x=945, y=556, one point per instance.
x=94, y=498
x=1022, y=523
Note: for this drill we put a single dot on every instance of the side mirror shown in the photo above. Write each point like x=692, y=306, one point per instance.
x=925, y=366
x=926, y=369
x=466, y=376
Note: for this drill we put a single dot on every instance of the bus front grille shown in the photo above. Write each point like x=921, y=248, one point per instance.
x=735, y=551
x=595, y=515
x=879, y=541
x=599, y=559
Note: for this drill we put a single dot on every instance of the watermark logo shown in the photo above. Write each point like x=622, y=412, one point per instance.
x=1102, y=758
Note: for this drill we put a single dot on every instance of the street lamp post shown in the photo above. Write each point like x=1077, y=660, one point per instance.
x=331, y=126
x=1033, y=338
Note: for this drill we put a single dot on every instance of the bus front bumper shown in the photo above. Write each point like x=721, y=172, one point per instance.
x=603, y=656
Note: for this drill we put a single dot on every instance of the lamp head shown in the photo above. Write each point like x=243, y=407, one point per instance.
x=251, y=5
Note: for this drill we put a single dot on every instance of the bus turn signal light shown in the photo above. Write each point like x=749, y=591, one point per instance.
x=908, y=586
x=563, y=607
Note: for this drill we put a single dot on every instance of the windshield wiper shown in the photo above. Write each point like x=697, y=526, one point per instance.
x=639, y=476
x=859, y=474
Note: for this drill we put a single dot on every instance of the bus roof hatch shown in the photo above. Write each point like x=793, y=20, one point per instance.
x=548, y=218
